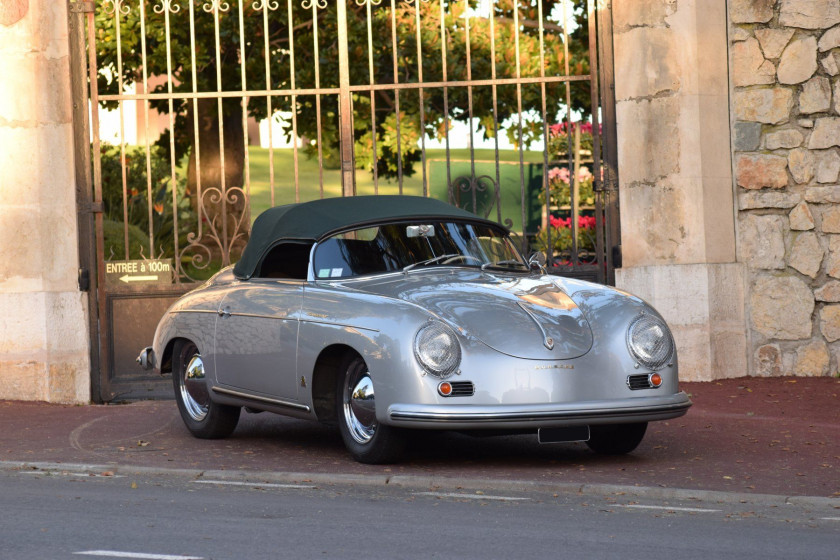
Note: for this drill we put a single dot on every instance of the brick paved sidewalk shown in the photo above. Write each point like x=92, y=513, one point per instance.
x=754, y=435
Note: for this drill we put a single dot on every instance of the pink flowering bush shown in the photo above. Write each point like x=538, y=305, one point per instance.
x=561, y=235
x=559, y=140
x=559, y=186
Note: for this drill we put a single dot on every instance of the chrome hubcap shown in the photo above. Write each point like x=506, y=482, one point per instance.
x=194, y=389
x=360, y=406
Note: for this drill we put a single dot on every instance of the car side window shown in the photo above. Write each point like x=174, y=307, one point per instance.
x=286, y=260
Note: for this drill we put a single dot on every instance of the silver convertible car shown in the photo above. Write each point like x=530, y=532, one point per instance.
x=386, y=314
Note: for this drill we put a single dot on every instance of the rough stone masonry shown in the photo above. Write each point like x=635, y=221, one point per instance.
x=785, y=79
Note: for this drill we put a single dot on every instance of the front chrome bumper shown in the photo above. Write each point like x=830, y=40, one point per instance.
x=640, y=409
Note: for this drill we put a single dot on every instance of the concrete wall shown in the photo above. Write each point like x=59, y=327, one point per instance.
x=785, y=61
x=676, y=193
x=44, y=342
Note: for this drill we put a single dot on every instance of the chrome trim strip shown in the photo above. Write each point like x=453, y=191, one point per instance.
x=548, y=342
x=248, y=396
x=258, y=316
x=342, y=325
x=534, y=416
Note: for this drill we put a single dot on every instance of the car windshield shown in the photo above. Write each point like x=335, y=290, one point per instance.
x=407, y=246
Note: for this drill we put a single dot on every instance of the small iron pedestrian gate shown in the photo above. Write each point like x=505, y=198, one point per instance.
x=502, y=107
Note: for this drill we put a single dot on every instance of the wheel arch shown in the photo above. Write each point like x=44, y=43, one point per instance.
x=168, y=351
x=324, y=379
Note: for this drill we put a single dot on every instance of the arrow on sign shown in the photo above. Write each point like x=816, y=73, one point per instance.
x=128, y=278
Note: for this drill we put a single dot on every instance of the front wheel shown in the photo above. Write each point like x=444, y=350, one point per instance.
x=204, y=418
x=616, y=439
x=366, y=439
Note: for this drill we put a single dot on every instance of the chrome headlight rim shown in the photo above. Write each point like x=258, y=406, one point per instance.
x=654, y=354
x=437, y=350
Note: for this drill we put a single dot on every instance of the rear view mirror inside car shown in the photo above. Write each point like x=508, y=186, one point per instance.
x=420, y=231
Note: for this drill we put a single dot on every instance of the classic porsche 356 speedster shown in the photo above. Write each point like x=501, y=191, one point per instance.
x=386, y=314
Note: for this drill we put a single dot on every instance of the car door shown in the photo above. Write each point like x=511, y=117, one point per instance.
x=256, y=338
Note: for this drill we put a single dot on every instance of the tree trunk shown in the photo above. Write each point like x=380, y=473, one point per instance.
x=220, y=207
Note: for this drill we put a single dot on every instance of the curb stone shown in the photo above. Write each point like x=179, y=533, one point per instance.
x=446, y=483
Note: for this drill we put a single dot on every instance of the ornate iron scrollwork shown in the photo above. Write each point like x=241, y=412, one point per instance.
x=261, y=5
x=480, y=197
x=216, y=6
x=311, y=4
x=167, y=6
x=224, y=229
x=112, y=7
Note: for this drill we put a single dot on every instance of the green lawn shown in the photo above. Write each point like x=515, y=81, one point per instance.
x=436, y=173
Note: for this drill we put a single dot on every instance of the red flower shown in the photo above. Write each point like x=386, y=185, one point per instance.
x=587, y=222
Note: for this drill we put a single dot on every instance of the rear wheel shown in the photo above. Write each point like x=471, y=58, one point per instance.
x=365, y=438
x=204, y=418
x=616, y=439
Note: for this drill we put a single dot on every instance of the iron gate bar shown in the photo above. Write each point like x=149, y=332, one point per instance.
x=421, y=94
x=216, y=6
x=315, y=4
x=549, y=245
x=264, y=6
x=521, y=136
x=394, y=51
x=372, y=95
x=445, y=77
x=495, y=114
x=196, y=137
x=294, y=99
x=345, y=107
x=117, y=10
x=612, y=227
x=87, y=215
x=594, y=92
x=469, y=104
x=246, y=156
x=146, y=127
x=166, y=7
x=573, y=169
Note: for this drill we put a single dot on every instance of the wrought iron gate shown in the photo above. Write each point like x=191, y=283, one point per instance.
x=502, y=107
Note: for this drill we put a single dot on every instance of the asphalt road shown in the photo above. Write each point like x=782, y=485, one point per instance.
x=78, y=515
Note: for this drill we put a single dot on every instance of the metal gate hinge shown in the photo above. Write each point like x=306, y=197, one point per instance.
x=82, y=7
x=616, y=256
x=84, y=280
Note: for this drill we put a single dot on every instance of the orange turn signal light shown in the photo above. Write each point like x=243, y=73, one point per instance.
x=655, y=380
x=445, y=389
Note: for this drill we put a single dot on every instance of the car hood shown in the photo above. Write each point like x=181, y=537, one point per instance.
x=524, y=316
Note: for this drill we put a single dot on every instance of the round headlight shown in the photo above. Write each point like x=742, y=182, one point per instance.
x=650, y=342
x=436, y=348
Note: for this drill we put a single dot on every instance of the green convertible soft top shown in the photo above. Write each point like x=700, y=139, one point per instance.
x=312, y=221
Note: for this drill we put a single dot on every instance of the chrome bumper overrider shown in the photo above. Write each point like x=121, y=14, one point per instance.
x=146, y=359
x=642, y=409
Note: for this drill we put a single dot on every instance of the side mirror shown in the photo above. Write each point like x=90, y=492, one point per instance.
x=536, y=262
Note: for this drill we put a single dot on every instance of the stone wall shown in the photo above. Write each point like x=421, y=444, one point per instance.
x=44, y=341
x=675, y=172
x=785, y=105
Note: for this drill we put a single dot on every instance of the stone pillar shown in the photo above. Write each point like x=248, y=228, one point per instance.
x=44, y=341
x=676, y=193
